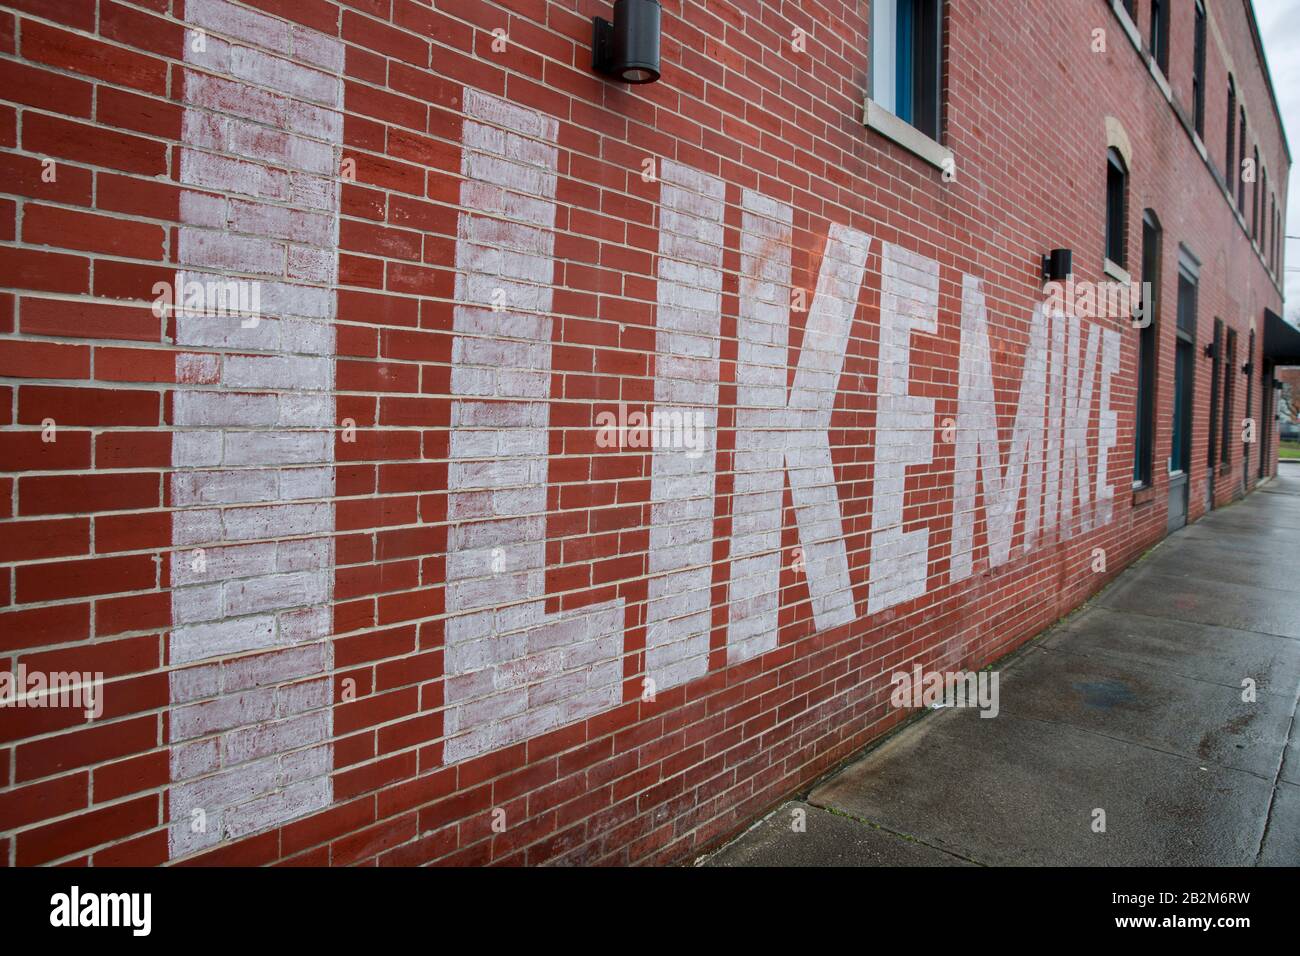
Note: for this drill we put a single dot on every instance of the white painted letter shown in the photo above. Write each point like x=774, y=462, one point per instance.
x=909, y=302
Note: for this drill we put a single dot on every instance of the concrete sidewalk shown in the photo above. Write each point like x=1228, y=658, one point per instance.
x=1132, y=706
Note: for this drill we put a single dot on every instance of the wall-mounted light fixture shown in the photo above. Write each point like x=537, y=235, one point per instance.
x=627, y=50
x=1247, y=369
x=1211, y=350
x=1058, y=265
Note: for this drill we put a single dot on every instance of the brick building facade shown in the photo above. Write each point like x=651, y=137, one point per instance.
x=446, y=454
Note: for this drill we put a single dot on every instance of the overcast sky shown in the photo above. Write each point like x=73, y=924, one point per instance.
x=1279, y=25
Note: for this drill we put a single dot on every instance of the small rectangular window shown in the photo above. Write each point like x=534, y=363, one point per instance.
x=1263, y=209
x=1189, y=272
x=1230, y=160
x=1254, y=200
x=1160, y=34
x=1116, y=201
x=1198, y=71
x=906, y=49
x=1241, y=165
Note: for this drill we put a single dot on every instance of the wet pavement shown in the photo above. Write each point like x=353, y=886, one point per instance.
x=1122, y=739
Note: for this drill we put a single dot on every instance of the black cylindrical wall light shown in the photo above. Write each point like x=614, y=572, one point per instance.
x=1058, y=265
x=627, y=50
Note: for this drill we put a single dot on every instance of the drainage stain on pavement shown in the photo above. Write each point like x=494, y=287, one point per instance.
x=1105, y=693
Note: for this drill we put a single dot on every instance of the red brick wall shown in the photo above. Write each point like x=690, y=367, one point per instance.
x=337, y=627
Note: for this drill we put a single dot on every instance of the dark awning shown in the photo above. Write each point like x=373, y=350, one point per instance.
x=1281, y=340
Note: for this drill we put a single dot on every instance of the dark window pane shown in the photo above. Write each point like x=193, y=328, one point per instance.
x=907, y=72
x=1160, y=33
x=1241, y=162
x=1198, y=71
x=1115, y=202
x=905, y=67
x=1186, y=305
x=1254, y=199
x=927, y=54
x=1230, y=161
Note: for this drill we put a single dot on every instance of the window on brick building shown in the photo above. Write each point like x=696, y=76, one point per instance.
x=1198, y=72
x=1230, y=160
x=1160, y=34
x=1144, y=444
x=1116, y=206
x=1131, y=7
x=907, y=53
x=1263, y=210
x=1254, y=200
x=1277, y=225
x=1241, y=165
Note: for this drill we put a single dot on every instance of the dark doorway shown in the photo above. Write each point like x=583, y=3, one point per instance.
x=1144, y=433
x=1180, y=453
x=1231, y=424
x=1212, y=449
x=1249, y=372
